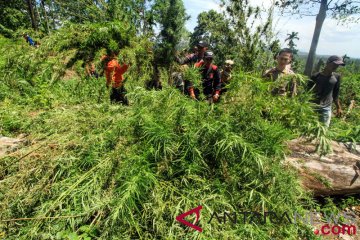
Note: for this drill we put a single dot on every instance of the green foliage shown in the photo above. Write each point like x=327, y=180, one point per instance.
x=342, y=10
x=132, y=168
x=290, y=39
x=92, y=170
x=171, y=17
x=347, y=128
x=86, y=232
x=59, y=52
x=13, y=16
x=214, y=28
x=193, y=75
x=251, y=34
x=350, y=87
x=292, y=45
x=49, y=15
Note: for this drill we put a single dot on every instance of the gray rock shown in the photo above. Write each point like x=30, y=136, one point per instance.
x=337, y=173
x=8, y=145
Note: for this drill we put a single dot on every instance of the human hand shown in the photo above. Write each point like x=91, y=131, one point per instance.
x=339, y=112
x=216, y=97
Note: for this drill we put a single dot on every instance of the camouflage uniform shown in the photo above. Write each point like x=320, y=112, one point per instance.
x=275, y=74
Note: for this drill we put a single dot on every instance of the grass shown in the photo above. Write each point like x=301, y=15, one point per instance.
x=126, y=169
x=127, y=172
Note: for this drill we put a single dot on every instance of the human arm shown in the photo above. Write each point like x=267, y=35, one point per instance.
x=191, y=92
x=311, y=82
x=190, y=88
x=109, y=73
x=267, y=74
x=336, y=93
x=217, y=85
x=185, y=60
x=293, y=87
x=124, y=68
x=87, y=70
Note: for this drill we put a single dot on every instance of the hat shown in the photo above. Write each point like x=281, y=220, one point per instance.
x=201, y=44
x=229, y=62
x=336, y=59
x=209, y=54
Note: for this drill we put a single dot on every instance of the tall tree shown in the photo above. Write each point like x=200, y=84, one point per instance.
x=13, y=15
x=291, y=37
x=136, y=12
x=80, y=11
x=46, y=19
x=214, y=28
x=30, y=5
x=250, y=32
x=171, y=17
x=342, y=10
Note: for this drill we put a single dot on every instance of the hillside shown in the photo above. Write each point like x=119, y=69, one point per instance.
x=96, y=170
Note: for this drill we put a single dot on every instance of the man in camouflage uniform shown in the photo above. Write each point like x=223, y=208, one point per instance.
x=279, y=73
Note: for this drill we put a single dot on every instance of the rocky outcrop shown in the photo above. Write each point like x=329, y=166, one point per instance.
x=337, y=173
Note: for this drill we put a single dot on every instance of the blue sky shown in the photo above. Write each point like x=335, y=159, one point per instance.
x=334, y=38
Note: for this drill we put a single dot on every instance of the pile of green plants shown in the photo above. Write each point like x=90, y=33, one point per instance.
x=127, y=172
x=69, y=49
x=93, y=170
x=347, y=127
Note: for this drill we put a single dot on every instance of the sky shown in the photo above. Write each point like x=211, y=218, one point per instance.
x=334, y=39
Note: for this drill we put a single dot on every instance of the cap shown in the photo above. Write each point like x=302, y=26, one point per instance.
x=201, y=44
x=209, y=54
x=336, y=59
x=229, y=62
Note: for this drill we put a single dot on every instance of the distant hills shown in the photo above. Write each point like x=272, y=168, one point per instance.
x=303, y=54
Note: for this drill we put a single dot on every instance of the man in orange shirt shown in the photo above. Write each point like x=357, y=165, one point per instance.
x=114, y=78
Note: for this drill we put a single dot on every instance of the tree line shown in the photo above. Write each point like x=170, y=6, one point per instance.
x=240, y=31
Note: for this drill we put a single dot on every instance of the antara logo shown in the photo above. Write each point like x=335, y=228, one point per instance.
x=307, y=218
x=181, y=218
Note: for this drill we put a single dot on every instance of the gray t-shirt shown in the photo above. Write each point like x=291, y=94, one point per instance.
x=326, y=88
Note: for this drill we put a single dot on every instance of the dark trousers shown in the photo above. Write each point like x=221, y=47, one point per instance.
x=118, y=95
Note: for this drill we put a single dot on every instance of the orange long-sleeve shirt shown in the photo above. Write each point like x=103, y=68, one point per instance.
x=114, y=73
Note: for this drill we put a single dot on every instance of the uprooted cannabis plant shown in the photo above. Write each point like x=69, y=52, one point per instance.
x=93, y=170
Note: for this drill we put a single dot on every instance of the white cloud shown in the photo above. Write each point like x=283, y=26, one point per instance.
x=194, y=8
x=334, y=38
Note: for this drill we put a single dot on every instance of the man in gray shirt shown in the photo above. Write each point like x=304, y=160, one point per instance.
x=326, y=88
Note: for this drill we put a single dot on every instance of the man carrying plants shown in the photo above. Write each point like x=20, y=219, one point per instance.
x=279, y=73
x=226, y=75
x=90, y=70
x=326, y=88
x=114, y=77
x=210, y=74
x=191, y=59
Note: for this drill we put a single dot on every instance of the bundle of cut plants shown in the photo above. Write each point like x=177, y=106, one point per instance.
x=94, y=170
x=112, y=172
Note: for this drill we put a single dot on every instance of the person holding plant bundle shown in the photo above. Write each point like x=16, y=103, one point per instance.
x=114, y=77
x=91, y=70
x=326, y=88
x=210, y=74
x=191, y=59
x=226, y=75
x=201, y=48
x=280, y=72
